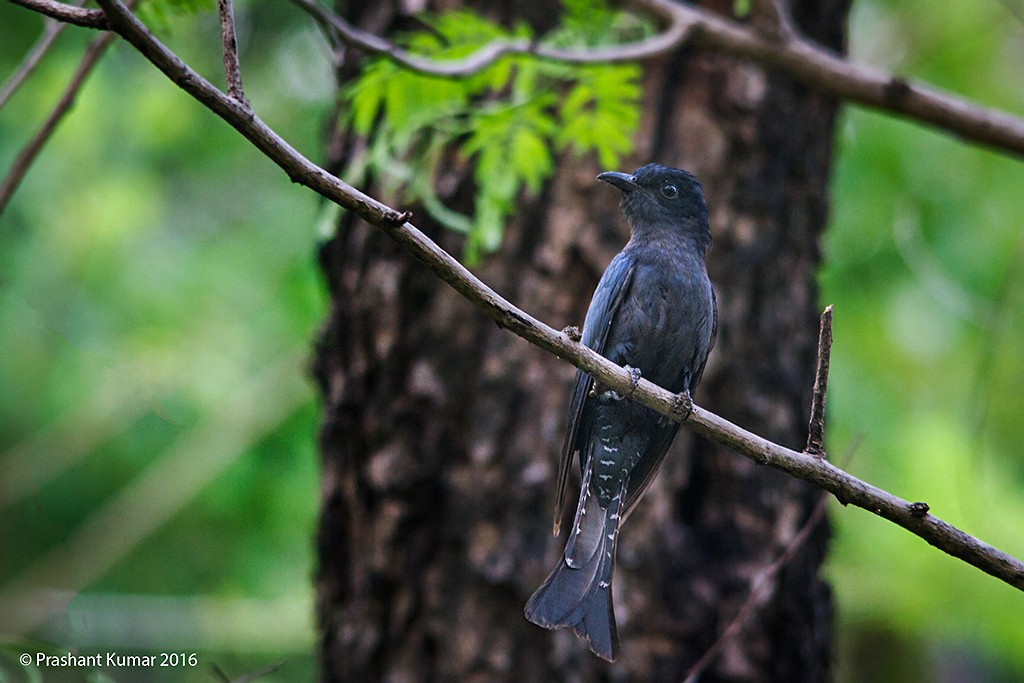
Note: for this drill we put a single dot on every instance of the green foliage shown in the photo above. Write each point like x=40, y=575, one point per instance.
x=593, y=23
x=160, y=13
x=508, y=120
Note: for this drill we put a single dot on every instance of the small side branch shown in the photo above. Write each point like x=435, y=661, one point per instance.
x=816, y=427
x=232, y=70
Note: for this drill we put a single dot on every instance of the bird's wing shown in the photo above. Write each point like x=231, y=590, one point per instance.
x=606, y=301
x=643, y=474
x=699, y=370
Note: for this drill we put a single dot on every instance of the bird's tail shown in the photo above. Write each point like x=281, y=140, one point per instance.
x=578, y=593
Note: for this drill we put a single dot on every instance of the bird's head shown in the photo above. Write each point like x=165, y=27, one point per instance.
x=658, y=195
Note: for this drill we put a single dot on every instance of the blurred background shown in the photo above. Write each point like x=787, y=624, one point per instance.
x=158, y=298
x=159, y=294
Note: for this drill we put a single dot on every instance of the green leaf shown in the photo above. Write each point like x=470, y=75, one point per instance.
x=366, y=95
x=490, y=223
x=531, y=159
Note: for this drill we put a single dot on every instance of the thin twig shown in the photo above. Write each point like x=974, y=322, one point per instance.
x=35, y=55
x=847, y=488
x=28, y=154
x=816, y=425
x=758, y=586
x=232, y=71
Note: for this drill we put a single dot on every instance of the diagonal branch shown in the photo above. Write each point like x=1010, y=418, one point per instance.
x=783, y=50
x=70, y=14
x=29, y=153
x=759, y=586
x=848, y=489
x=35, y=55
x=832, y=74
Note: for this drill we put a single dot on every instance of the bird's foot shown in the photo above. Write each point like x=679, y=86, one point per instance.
x=598, y=390
x=682, y=407
x=634, y=373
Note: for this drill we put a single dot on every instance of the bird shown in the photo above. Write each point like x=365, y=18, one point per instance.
x=655, y=313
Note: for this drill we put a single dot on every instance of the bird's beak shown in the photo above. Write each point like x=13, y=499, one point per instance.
x=623, y=181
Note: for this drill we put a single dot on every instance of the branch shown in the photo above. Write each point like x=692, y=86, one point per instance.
x=781, y=49
x=848, y=489
x=678, y=27
x=832, y=74
x=69, y=14
x=29, y=153
x=232, y=71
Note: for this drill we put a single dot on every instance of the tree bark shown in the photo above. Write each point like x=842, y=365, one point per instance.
x=441, y=432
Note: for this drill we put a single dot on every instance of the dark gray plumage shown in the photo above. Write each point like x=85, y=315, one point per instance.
x=654, y=310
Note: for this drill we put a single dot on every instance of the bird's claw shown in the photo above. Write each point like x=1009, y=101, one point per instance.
x=600, y=390
x=634, y=374
x=682, y=407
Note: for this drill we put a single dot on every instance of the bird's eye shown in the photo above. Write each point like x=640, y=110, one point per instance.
x=670, y=191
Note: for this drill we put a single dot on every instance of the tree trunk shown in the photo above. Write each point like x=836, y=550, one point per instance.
x=441, y=432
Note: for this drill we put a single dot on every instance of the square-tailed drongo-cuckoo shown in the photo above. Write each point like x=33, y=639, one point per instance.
x=654, y=311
